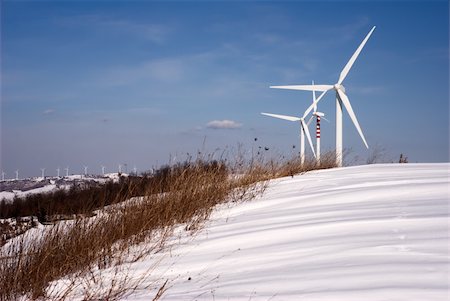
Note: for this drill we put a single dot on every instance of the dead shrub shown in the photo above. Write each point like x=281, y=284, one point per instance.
x=184, y=193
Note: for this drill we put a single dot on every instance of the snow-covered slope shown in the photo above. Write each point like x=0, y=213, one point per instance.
x=377, y=232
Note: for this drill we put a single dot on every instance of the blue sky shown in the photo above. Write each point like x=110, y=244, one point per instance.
x=112, y=82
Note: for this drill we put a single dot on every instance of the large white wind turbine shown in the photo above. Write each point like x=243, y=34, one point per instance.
x=303, y=130
x=341, y=99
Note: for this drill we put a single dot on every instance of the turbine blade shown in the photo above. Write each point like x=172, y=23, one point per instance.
x=349, y=109
x=308, y=110
x=349, y=65
x=325, y=119
x=306, y=131
x=309, y=121
x=285, y=117
x=305, y=87
x=314, y=97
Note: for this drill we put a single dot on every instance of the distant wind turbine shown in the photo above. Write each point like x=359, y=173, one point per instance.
x=57, y=172
x=318, y=116
x=67, y=171
x=3, y=175
x=103, y=170
x=303, y=130
x=43, y=172
x=17, y=174
x=341, y=99
x=85, y=170
x=120, y=168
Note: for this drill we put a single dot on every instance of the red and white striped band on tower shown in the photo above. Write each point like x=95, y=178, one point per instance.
x=318, y=127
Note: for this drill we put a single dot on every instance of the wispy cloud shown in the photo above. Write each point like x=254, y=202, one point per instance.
x=349, y=31
x=161, y=70
x=368, y=90
x=223, y=124
x=48, y=111
x=269, y=38
x=156, y=33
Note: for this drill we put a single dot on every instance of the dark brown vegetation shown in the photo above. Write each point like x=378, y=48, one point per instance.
x=403, y=159
x=83, y=199
x=182, y=194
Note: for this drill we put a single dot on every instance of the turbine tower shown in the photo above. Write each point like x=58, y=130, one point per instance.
x=3, y=175
x=17, y=174
x=85, y=170
x=341, y=99
x=103, y=170
x=303, y=130
x=57, y=172
x=67, y=171
x=43, y=172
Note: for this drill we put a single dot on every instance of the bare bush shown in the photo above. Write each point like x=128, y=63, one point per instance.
x=377, y=155
x=403, y=159
x=184, y=193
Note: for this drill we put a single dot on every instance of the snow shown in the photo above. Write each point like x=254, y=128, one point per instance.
x=376, y=232
x=6, y=195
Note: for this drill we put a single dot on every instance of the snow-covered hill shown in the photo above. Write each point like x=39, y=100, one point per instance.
x=377, y=232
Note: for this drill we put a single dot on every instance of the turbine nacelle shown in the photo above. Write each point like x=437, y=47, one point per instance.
x=319, y=114
x=339, y=87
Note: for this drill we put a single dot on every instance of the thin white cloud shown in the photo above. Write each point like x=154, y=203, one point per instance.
x=367, y=90
x=48, y=112
x=223, y=124
x=156, y=33
x=349, y=31
x=153, y=32
x=160, y=70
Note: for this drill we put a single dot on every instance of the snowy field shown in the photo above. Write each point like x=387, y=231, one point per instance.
x=376, y=232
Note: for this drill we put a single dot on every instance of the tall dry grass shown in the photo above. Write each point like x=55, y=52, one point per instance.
x=186, y=195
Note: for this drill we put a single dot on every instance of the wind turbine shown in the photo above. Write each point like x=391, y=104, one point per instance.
x=341, y=99
x=43, y=172
x=17, y=174
x=3, y=175
x=103, y=170
x=67, y=171
x=318, y=116
x=303, y=130
x=85, y=170
x=57, y=172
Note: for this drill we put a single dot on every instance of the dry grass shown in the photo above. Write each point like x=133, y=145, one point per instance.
x=186, y=195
